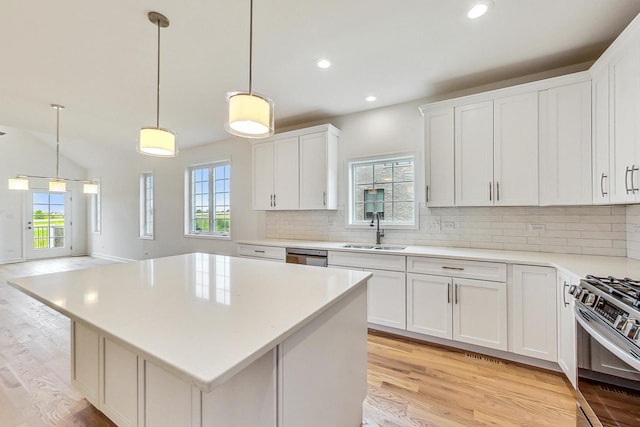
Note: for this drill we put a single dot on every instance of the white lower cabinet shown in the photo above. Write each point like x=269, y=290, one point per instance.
x=386, y=290
x=268, y=253
x=465, y=310
x=533, y=312
x=386, y=299
x=567, y=352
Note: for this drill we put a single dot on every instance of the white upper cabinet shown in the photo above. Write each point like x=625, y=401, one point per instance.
x=565, y=145
x=318, y=171
x=474, y=154
x=496, y=152
x=275, y=174
x=515, y=150
x=600, y=135
x=624, y=132
x=439, y=164
x=296, y=170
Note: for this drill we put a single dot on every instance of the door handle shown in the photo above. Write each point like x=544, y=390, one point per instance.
x=456, y=294
x=448, y=293
x=626, y=179
x=602, y=177
x=324, y=198
x=271, y=200
x=490, y=198
x=633, y=186
x=274, y=200
x=426, y=194
x=497, y=191
x=564, y=294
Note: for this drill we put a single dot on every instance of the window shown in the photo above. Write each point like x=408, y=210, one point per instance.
x=146, y=205
x=209, y=208
x=96, y=210
x=385, y=186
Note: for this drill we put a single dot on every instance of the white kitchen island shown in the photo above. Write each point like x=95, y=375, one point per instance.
x=210, y=340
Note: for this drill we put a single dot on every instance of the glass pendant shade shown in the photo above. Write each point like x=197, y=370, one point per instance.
x=157, y=142
x=57, y=186
x=250, y=115
x=90, y=188
x=18, y=184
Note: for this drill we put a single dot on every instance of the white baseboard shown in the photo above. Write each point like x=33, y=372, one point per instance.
x=111, y=257
x=11, y=260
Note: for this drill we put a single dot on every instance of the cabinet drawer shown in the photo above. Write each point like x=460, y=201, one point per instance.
x=268, y=252
x=492, y=271
x=367, y=261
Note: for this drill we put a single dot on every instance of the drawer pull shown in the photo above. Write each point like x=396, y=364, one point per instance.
x=257, y=251
x=444, y=267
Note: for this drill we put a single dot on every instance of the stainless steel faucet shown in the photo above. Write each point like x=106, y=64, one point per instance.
x=379, y=233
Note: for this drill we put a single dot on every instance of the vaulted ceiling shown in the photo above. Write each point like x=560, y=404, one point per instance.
x=99, y=58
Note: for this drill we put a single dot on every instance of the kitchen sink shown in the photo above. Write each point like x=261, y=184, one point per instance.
x=375, y=247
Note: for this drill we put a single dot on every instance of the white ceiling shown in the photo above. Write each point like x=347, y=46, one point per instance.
x=99, y=58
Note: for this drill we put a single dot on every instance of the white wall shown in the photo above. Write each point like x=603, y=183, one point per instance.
x=120, y=178
x=24, y=153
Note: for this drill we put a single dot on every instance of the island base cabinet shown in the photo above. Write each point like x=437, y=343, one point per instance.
x=119, y=397
x=85, y=361
x=314, y=363
x=167, y=398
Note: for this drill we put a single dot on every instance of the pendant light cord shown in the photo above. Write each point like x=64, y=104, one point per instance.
x=251, y=48
x=158, y=86
x=57, y=142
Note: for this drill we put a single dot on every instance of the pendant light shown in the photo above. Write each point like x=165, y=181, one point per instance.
x=154, y=140
x=57, y=184
x=250, y=114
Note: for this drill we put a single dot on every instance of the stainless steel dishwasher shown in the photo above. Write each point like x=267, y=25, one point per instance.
x=307, y=257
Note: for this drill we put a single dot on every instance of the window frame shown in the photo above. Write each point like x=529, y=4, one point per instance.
x=96, y=209
x=144, y=198
x=350, y=221
x=188, y=229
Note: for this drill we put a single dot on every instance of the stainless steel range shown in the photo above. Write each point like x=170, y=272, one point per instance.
x=608, y=331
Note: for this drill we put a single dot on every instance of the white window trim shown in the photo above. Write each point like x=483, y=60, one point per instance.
x=386, y=224
x=187, y=201
x=143, y=206
x=95, y=205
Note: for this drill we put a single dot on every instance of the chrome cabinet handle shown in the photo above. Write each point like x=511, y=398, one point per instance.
x=490, y=198
x=258, y=252
x=426, y=194
x=444, y=267
x=448, y=293
x=497, y=190
x=271, y=202
x=602, y=177
x=564, y=294
x=633, y=186
x=456, y=293
x=626, y=179
x=324, y=198
x=274, y=201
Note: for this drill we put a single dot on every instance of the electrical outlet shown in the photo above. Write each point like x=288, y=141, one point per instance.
x=448, y=225
x=537, y=227
x=433, y=226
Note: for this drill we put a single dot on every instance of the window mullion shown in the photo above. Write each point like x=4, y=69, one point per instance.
x=212, y=197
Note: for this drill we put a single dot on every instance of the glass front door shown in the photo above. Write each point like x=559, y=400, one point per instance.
x=48, y=225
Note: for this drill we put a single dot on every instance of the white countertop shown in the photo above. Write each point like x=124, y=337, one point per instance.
x=578, y=265
x=204, y=316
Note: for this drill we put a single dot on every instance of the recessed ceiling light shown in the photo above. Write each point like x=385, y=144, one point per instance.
x=323, y=63
x=478, y=9
x=370, y=98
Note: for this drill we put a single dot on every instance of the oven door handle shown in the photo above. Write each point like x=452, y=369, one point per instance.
x=592, y=327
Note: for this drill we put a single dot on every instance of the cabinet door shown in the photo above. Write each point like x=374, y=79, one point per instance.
x=533, y=312
x=480, y=313
x=262, y=158
x=624, y=74
x=438, y=153
x=565, y=145
x=566, y=328
x=600, y=133
x=386, y=299
x=285, y=175
x=429, y=305
x=313, y=171
x=515, y=150
x=474, y=154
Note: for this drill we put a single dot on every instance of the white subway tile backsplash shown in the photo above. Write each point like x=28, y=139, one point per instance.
x=603, y=230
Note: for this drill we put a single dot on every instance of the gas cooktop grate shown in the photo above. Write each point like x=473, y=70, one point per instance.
x=626, y=289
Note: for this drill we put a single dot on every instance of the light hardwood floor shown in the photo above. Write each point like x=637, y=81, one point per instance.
x=410, y=384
